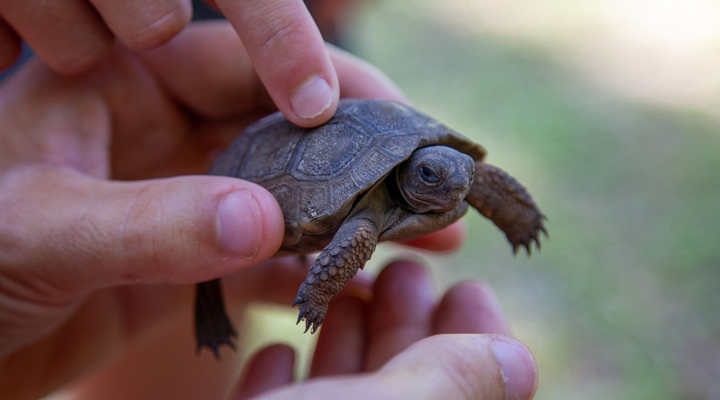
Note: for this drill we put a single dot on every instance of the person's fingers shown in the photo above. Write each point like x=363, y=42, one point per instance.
x=68, y=35
x=176, y=230
x=447, y=239
x=341, y=344
x=64, y=234
x=70, y=120
x=270, y=368
x=289, y=55
x=144, y=24
x=481, y=366
x=9, y=45
x=207, y=68
x=488, y=367
x=470, y=307
x=400, y=313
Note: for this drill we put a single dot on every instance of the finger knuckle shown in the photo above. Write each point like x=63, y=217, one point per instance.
x=156, y=26
x=31, y=240
x=465, y=377
x=468, y=378
x=283, y=29
x=141, y=237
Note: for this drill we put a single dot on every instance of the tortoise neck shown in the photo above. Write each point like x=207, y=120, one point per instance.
x=393, y=188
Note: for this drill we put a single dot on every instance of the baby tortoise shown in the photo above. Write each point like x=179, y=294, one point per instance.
x=377, y=171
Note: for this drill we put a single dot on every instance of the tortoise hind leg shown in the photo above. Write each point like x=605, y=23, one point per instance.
x=351, y=247
x=212, y=325
x=503, y=200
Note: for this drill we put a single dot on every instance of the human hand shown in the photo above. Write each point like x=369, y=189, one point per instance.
x=281, y=38
x=403, y=344
x=391, y=339
x=71, y=239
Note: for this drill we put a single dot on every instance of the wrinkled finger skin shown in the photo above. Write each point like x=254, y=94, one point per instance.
x=144, y=24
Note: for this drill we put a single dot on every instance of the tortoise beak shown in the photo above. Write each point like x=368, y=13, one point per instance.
x=460, y=183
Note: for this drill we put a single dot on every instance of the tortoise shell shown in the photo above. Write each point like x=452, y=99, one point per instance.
x=316, y=174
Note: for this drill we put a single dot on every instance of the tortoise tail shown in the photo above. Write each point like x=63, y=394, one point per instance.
x=503, y=200
x=212, y=325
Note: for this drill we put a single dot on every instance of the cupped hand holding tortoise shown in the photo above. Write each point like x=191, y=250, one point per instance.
x=377, y=171
x=102, y=229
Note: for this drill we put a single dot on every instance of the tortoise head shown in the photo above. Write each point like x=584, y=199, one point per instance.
x=435, y=179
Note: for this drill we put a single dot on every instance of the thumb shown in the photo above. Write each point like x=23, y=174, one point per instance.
x=64, y=234
x=488, y=367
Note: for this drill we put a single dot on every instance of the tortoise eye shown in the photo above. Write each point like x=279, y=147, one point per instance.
x=428, y=175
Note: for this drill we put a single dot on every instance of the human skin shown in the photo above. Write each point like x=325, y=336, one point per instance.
x=404, y=343
x=388, y=339
x=101, y=224
x=281, y=38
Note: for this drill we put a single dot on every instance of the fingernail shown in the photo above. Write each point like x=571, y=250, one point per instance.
x=239, y=223
x=518, y=368
x=313, y=98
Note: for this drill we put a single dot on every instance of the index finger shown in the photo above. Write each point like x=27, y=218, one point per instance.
x=208, y=70
x=289, y=56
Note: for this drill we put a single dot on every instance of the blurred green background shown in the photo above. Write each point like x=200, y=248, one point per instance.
x=609, y=112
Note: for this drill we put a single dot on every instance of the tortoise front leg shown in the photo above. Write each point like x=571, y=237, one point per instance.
x=351, y=247
x=503, y=200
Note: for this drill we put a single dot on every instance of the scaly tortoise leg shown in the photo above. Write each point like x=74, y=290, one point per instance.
x=503, y=200
x=212, y=325
x=351, y=247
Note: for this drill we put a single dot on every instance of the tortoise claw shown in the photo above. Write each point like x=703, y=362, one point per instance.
x=212, y=325
x=313, y=314
x=537, y=242
x=301, y=314
x=214, y=345
x=529, y=236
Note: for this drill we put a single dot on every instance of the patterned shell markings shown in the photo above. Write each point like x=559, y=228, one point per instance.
x=317, y=173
